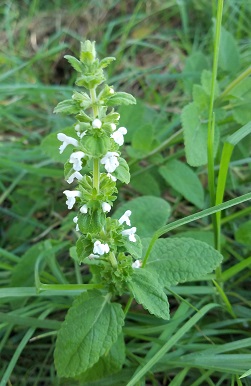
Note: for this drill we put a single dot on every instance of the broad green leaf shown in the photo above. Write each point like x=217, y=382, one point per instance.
x=200, y=97
x=92, y=325
x=195, y=64
x=206, y=81
x=242, y=93
x=108, y=364
x=176, y=260
x=148, y=214
x=243, y=233
x=68, y=106
x=50, y=145
x=121, y=98
x=149, y=293
x=229, y=54
x=195, y=126
x=76, y=64
x=146, y=184
x=91, y=222
x=205, y=236
x=122, y=172
x=184, y=180
x=142, y=138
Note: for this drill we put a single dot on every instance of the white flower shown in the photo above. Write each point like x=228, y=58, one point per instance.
x=130, y=232
x=84, y=209
x=118, y=135
x=75, y=159
x=125, y=218
x=96, y=124
x=81, y=135
x=111, y=91
x=106, y=207
x=76, y=175
x=110, y=161
x=111, y=177
x=113, y=126
x=66, y=141
x=77, y=127
x=92, y=256
x=137, y=264
x=100, y=248
x=71, y=197
x=75, y=219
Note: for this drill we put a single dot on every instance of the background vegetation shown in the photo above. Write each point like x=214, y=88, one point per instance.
x=162, y=49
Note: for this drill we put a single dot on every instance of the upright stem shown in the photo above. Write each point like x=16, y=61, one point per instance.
x=95, y=160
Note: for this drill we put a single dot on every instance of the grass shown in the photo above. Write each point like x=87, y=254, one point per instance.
x=161, y=50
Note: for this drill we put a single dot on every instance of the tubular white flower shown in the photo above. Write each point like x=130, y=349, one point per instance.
x=75, y=219
x=71, y=197
x=96, y=124
x=75, y=159
x=92, y=256
x=130, y=232
x=66, y=141
x=113, y=126
x=137, y=264
x=100, y=248
x=111, y=177
x=125, y=218
x=106, y=207
x=84, y=209
x=111, y=90
x=118, y=135
x=110, y=161
x=76, y=175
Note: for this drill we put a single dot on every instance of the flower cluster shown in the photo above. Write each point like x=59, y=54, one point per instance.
x=95, y=163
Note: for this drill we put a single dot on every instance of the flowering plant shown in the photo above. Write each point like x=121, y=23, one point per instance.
x=90, y=338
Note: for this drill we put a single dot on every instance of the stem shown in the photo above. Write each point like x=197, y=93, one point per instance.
x=211, y=118
x=95, y=160
x=233, y=84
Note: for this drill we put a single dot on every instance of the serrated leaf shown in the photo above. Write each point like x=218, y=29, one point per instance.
x=91, y=222
x=149, y=293
x=121, y=98
x=108, y=364
x=66, y=107
x=147, y=186
x=148, y=214
x=122, y=172
x=176, y=260
x=184, y=180
x=206, y=81
x=75, y=63
x=195, y=64
x=92, y=325
x=200, y=97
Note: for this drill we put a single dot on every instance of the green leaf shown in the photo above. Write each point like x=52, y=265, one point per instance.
x=76, y=64
x=68, y=106
x=147, y=291
x=91, y=222
x=121, y=98
x=146, y=185
x=95, y=146
x=195, y=64
x=106, y=61
x=205, y=236
x=50, y=145
x=229, y=54
x=108, y=364
x=148, y=214
x=184, y=180
x=243, y=233
x=92, y=325
x=206, y=81
x=143, y=138
x=176, y=260
x=135, y=249
x=122, y=172
x=200, y=97
x=195, y=135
